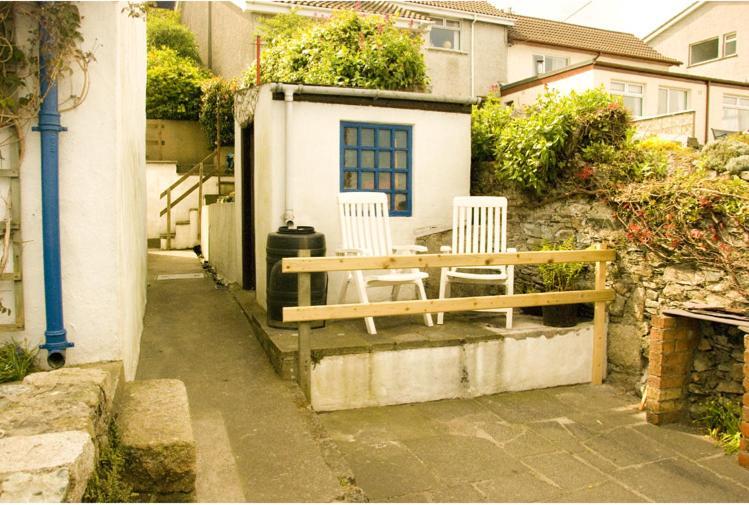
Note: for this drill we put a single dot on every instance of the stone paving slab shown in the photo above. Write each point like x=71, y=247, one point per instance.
x=569, y=444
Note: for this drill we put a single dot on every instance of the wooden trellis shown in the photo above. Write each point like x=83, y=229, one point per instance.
x=9, y=170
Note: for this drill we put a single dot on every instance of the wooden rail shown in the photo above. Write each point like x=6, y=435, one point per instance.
x=305, y=313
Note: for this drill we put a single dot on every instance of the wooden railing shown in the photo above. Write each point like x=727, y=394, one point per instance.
x=305, y=313
x=199, y=170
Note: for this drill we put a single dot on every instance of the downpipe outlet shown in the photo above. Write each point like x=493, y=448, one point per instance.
x=49, y=128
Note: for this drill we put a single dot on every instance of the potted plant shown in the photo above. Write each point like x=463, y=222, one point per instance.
x=560, y=277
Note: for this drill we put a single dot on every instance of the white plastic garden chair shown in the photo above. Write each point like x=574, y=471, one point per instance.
x=365, y=231
x=479, y=227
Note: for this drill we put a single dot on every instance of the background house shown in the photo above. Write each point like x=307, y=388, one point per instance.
x=101, y=195
x=661, y=102
x=709, y=38
x=465, y=43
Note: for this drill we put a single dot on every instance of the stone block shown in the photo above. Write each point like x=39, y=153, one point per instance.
x=51, y=467
x=154, y=421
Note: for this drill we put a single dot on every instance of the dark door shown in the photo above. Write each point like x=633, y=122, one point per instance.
x=248, y=204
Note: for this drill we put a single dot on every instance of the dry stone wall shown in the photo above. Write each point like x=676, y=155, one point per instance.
x=644, y=283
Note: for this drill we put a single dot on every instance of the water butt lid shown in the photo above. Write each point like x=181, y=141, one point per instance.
x=299, y=230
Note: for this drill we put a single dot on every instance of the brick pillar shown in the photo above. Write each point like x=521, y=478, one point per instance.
x=672, y=344
x=744, y=451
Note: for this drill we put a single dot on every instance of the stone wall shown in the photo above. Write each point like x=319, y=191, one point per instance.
x=744, y=448
x=644, y=283
x=676, y=124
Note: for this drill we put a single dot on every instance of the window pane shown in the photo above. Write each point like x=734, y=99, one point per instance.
x=444, y=38
x=349, y=180
x=400, y=159
x=367, y=159
x=383, y=180
x=383, y=138
x=635, y=89
x=400, y=180
x=743, y=120
x=349, y=158
x=452, y=24
x=662, y=101
x=383, y=159
x=555, y=63
x=743, y=102
x=367, y=180
x=617, y=86
x=349, y=136
x=401, y=139
x=401, y=202
x=367, y=137
x=729, y=100
x=677, y=100
x=634, y=104
x=730, y=48
x=704, y=51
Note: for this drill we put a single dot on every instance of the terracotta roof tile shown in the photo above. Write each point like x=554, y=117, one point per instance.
x=556, y=33
x=382, y=8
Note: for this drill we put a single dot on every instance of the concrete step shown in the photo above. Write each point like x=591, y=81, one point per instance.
x=154, y=421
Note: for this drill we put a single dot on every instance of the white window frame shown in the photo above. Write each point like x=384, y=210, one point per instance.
x=722, y=41
x=542, y=58
x=442, y=24
x=626, y=92
x=735, y=106
x=670, y=89
x=727, y=38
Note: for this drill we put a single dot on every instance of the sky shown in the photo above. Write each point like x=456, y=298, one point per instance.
x=634, y=16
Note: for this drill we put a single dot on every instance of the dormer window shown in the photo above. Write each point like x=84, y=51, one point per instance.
x=445, y=34
x=543, y=64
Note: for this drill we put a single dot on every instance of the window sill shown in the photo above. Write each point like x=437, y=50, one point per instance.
x=445, y=50
x=713, y=60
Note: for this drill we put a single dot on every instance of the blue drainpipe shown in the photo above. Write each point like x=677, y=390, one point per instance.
x=49, y=128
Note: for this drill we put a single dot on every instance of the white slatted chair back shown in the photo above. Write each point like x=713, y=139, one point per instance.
x=365, y=223
x=479, y=224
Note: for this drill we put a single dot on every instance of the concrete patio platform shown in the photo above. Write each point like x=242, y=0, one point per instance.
x=567, y=444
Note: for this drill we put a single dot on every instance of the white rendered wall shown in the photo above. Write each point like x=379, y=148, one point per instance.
x=441, y=171
x=102, y=199
x=474, y=369
x=221, y=239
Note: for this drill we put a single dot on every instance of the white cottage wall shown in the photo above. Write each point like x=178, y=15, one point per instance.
x=102, y=199
x=441, y=170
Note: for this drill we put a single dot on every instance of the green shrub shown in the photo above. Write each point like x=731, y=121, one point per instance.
x=538, y=149
x=487, y=121
x=738, y=164
x=218, y=98
x=715, y=156
x=173, y=85
x=560, y=276
x=107, y=485
x=16, y=361
x=721, y=417
x=347, y=50
x=163, y=29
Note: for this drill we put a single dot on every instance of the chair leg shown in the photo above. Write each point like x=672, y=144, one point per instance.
x=344, y=288
x=443, y=287
x=423, y=295
x=361, y=287
x=396, y=290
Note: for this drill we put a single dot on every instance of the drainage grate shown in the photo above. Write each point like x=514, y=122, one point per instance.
x=169, y=277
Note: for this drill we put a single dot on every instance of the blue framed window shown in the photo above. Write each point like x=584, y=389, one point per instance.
x=377, y=157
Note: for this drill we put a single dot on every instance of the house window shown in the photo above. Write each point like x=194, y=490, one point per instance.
x=546, y=64
x=729, y=44
x=377, y=157
x=631, y=93
x=445, y=33
x=735, y=112
x=672, y=100
x=704, y=51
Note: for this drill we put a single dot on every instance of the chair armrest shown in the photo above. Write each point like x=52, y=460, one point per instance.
x=405, y=249
x=512, y=250
x=349, y=252
x=446, y=249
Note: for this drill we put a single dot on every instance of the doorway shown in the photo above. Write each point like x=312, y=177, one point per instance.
x=248, y=204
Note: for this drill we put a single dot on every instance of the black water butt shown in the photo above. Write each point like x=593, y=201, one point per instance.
x=282, y=289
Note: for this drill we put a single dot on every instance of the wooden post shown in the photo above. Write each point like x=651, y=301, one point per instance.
x=200, y=199
x=305, y=328
x=218, y=138
x=257, y=60
x=599, y=324
x=168, y=219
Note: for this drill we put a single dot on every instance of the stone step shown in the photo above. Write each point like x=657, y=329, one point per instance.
x=154, y=422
